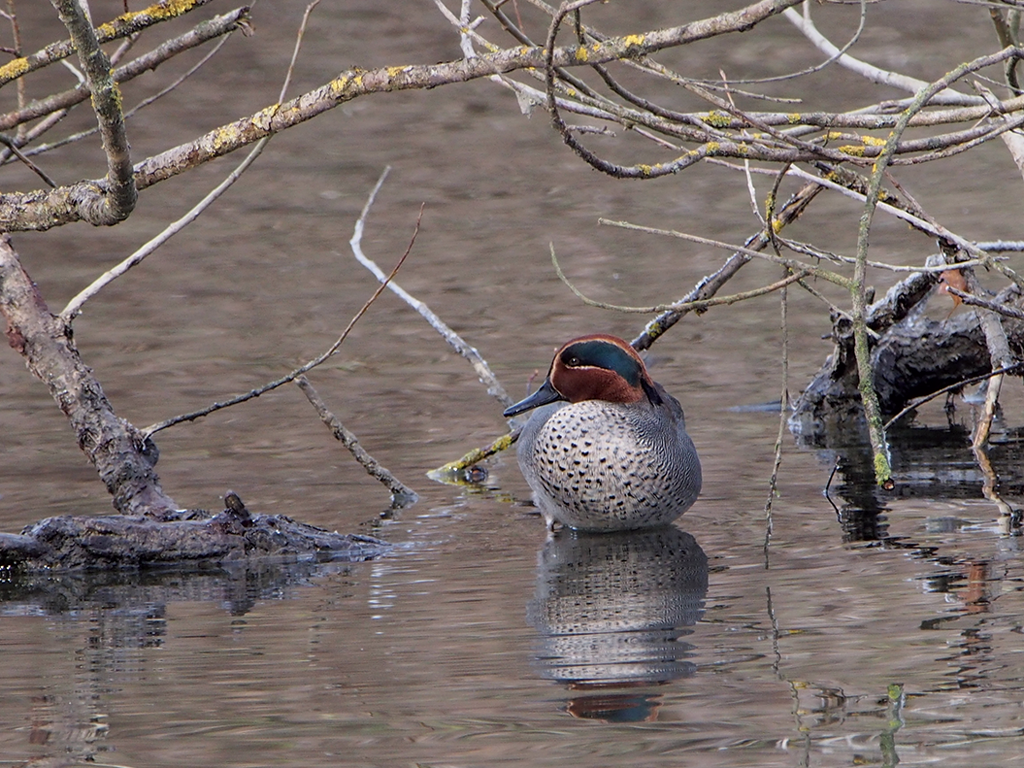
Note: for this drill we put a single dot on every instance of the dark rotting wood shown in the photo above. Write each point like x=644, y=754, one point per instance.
x=190, y=536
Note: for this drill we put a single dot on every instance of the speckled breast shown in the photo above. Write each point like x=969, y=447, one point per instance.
x=603, y=466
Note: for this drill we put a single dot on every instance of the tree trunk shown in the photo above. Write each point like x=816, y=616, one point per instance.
x=117, y=449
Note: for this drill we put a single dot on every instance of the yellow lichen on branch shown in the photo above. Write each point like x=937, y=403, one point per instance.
x=717, y=119
x=263, y=119
x=454, y=472
x=122, y=26
x=12, y=70
x=634, y=44
x=28, y=211
x=158, y=12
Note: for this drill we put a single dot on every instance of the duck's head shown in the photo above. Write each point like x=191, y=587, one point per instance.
x=596, y=367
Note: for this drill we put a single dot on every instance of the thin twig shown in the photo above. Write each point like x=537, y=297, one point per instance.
x=833, y=55
x=401, y=494
x=977, y=301
x=74, y=307
x=914, y=221
x=12, y=16
x=808, y=250
x=918, y=402
x=483, y=370
x=153, y=428
x=874, y=74
x=773, y=481
x=794, y=264
x=24, y=137
x=697, y=305
x=12, y=147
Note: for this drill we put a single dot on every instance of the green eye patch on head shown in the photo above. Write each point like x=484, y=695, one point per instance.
x=601, y=354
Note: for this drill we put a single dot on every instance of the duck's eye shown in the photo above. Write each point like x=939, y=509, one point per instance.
x=573, y=362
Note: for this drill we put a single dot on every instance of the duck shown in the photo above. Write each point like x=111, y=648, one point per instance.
x=606, y=447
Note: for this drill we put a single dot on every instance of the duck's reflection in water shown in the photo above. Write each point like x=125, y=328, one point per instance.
x=611, y=610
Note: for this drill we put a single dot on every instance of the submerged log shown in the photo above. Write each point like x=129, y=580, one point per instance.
x=192, y=536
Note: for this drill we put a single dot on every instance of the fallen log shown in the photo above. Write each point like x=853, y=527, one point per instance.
x=912, y=356
x=190, y=536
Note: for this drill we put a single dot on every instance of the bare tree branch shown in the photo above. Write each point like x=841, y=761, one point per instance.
x=456, y=342
x=87, y=200
x=74, y=307
x=977, y=301
x=43, y=210
x=290, y=377
x=401, y=494
x=202, y=33
x=955, y=387
x=122, y=455
x=120, y=195
x=40, y=210
x=123, y=26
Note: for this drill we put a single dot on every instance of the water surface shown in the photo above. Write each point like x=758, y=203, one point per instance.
x=884, y=627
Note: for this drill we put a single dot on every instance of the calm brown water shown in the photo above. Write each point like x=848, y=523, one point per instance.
x=888, y=631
